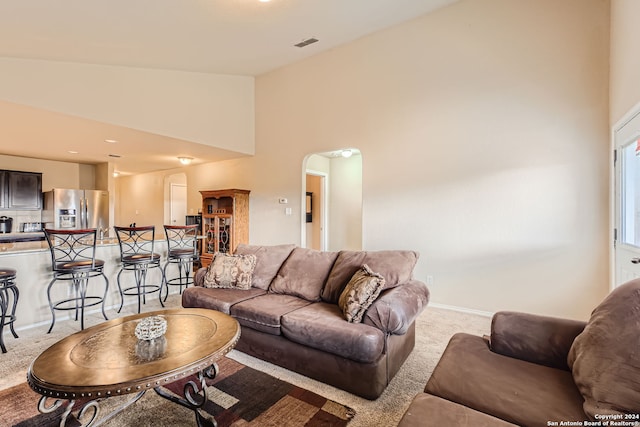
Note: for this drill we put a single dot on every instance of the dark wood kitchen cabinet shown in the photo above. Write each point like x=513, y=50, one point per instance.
x=20, y=190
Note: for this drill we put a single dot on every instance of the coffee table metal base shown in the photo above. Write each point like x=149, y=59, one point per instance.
x=194, y=398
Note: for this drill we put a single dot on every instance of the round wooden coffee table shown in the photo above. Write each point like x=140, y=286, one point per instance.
x=108, y=360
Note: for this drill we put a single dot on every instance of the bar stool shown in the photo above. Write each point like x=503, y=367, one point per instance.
x=182, y=251
x=137, y=255
x=7, y=283
x=73, y=259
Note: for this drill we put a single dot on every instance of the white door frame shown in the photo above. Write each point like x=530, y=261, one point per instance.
x=614, y=189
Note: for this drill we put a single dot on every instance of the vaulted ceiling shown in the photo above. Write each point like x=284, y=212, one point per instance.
x=238, y=37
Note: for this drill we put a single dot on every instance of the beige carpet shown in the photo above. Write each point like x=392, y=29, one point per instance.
x=433, y=330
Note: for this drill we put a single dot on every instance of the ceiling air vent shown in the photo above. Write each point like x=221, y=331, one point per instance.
x=306, y=42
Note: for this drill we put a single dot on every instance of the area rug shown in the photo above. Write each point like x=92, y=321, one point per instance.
x=239, y=396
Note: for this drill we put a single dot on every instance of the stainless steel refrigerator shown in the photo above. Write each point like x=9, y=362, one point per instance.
x=77, y=209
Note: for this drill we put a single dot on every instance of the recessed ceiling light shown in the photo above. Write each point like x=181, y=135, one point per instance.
x=110, y=141
x=264, y=1
x=115, y=174
x=185, y=160
x=72, y=152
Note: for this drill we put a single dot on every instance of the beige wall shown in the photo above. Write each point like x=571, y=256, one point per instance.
x=484, y=143
x=140, y=199
x=345, y=210
x=625, y=61
x=487, y=153
x=54, y=174
x=483, y=129
x=210, y=109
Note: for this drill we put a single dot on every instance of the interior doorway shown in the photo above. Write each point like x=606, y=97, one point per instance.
x=315, y=217
x=334, y=180
x=175, y=199
x=178, y=206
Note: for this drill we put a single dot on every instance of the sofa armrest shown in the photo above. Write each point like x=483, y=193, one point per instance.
x=198, y=278
x=533, y=338
x=397, y=308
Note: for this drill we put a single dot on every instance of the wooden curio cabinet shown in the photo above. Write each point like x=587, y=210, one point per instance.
x=225, y=221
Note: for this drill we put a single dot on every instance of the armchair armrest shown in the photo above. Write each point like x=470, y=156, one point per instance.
x=397, y=308
x=538, y=339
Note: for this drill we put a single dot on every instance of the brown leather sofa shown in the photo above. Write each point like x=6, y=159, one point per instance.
x=290, y=315
x=540, y=371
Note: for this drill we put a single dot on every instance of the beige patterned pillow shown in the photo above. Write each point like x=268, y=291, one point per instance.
x=230, y=271
x=361, y=291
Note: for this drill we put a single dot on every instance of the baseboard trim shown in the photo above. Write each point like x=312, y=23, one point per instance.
x=461, y=309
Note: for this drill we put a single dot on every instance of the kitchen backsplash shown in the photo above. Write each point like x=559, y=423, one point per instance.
x=22, y=217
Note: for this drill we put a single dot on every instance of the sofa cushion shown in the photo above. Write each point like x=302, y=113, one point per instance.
x=514, y=390
x=605, y=357
x=304, y=273
x=361, y=291
x=321, y=326
x=427, y=410
x=219, y=299
x=263, y=313
x=269, y=259
x=230, y=271
x=395, y=266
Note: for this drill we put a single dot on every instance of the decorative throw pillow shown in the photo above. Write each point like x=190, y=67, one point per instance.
x=395, y=266
x=230, y=271
x=361, y=291
x=604, y=358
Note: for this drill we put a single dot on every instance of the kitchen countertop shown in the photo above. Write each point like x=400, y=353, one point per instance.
x=7, y=247
x=21, y=237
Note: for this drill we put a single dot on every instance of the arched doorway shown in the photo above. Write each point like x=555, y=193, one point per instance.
x=332, y=189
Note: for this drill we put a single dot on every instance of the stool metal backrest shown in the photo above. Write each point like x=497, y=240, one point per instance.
x=73, y=259
x=182, y=246
x=137, y=254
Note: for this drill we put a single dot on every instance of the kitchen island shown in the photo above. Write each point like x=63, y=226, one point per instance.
x=32, y=262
